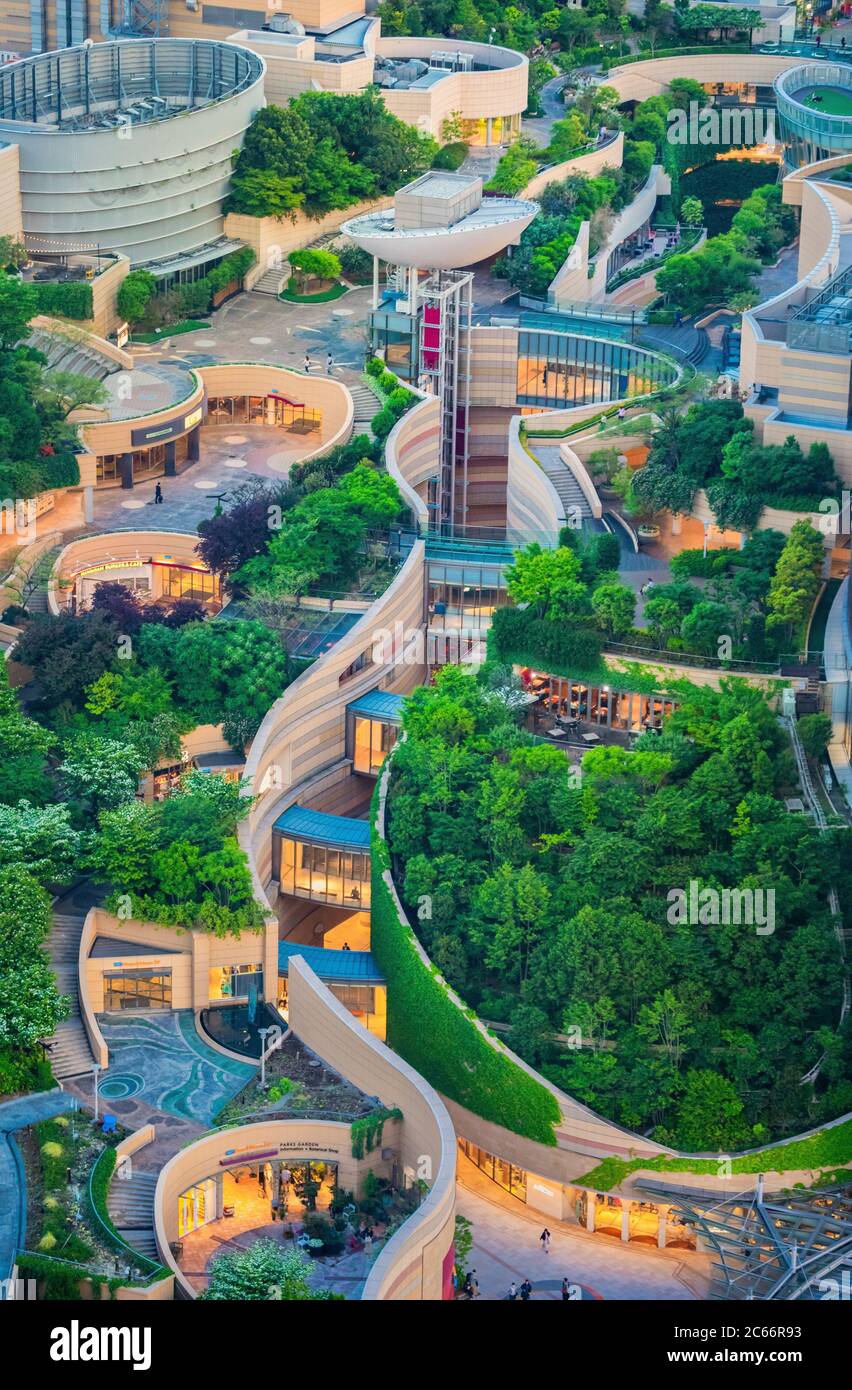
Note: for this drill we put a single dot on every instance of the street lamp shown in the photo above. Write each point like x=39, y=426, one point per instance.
x=96, y=1070
x=263, y=1032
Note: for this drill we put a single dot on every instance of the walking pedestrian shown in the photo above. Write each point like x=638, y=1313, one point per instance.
x=513, y=1292
x=474, y=1285
x=158, y=494
x=526, y=1290
x=545, y=1241
x=329, y=363
x=566, y=1290
x=307, y=364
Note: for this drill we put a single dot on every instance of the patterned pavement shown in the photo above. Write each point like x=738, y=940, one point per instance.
x=159, y=1059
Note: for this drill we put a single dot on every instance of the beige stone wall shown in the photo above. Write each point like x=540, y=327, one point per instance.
x=771, y=518
x=607, y=157
x=115, y=436
x=273, y=238
x=410, y=1267
x=411, y=454
x=321, y=393
x=190, y=955
x=293, y=68
x=105, y=316
x=477, y=96
x=636, y=81
x=11, y=221
x=533, y=508
x=494, y=367
x=303, y=737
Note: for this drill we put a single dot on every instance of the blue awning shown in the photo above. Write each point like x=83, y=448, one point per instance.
x=378, y=704
x=334, y=967
x=338, y=832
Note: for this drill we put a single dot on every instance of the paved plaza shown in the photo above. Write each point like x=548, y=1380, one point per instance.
x=506, y=1248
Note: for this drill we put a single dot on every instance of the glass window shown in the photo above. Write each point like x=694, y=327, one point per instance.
x=138, y=989
x=182, y=582
x=234, y=981
x=372, y=742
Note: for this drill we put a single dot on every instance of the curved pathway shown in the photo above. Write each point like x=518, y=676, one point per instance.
x=14, y=1115
x=506, y=1247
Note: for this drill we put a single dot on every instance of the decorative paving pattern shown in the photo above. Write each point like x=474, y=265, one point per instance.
x=169, y=1067
x=118, y=1087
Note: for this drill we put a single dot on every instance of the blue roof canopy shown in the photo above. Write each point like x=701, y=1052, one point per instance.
x=378, y=704
x=335, y=967
x=338, y=832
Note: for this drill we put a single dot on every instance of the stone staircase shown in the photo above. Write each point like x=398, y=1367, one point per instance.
x=567, y=488
x=37, y=600
x=367, y=404
x=687, y=343
x=270, y=283
x=69, y=1051
x=130, y=1203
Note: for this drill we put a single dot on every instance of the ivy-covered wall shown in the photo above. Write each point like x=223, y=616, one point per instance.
x=440, y=1039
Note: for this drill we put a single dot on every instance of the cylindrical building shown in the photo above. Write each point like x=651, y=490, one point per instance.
x=128, y=145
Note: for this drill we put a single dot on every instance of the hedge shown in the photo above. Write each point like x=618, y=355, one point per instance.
x=440, y=1039
x=72, y=301
x=647, y=57
x=100, y=1178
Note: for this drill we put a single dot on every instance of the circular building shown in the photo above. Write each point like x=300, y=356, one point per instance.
x=814, y=104
x=127, y=145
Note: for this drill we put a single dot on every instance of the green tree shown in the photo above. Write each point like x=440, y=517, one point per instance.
x=815, y=732
x=796, y=580
x=264, y=1272
x=135, y=294
x=18, y=306
x=614, y=605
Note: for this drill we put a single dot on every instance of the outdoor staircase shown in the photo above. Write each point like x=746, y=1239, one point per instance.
x=687, y=343
x=367, y=404
x=567, y=488
x=270, y=282
x=70, y=1054
x=130, y=1203
x=37, y=599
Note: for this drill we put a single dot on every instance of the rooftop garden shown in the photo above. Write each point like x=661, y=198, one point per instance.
x=38, y=446
x=711, y=446
x=324, y=151
x=558, y=918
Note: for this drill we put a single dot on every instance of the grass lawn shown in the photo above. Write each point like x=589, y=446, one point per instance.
x=323, y=297
x=158, y=334
x=834, y=101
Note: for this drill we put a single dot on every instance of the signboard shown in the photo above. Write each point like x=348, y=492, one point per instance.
x=122, y=334
x=167, y=429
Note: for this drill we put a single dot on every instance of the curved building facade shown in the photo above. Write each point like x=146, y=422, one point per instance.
x=814, y=104
x=127, y=146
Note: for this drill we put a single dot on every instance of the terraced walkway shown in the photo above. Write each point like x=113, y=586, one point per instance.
x=159, y=1060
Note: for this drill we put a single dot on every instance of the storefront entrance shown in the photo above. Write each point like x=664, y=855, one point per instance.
x=196, y=1207
x=137, y=989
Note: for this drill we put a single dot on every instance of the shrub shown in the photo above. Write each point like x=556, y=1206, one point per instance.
x=387, y=382
x=451, y=156
x=383, y=422
x=375, y=367
x=815, y=732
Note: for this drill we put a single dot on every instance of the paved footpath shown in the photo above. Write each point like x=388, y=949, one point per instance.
x=506, y=1247
x=17, y=1114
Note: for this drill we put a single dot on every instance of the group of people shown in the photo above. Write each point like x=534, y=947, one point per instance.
x=329, y=363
